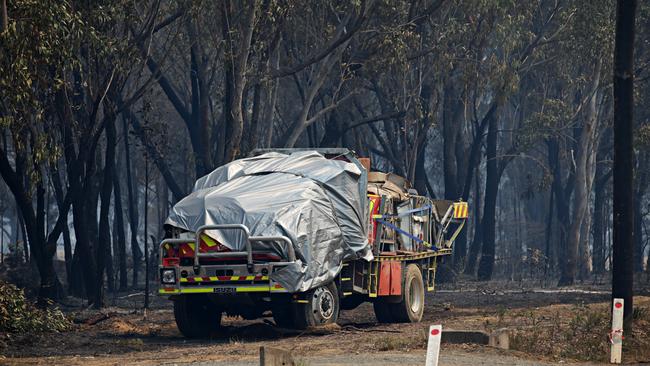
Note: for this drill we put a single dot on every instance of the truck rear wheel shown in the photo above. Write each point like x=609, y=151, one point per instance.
x=196, y=316
x=383, y=311
x=411, y=308
x=322, y=307
x=283, y=313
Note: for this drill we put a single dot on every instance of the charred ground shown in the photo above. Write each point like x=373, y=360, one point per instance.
x=545, y=326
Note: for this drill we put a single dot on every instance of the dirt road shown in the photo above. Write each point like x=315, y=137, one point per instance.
x=449, y=357
x=128, y=337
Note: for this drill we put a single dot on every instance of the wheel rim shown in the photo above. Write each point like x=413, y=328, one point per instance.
x=415, y=296
x=323, y=304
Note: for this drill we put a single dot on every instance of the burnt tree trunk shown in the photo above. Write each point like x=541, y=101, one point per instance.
x=562, y=192
x=239, y=67
x=119, y=231
x=84, y=212
x=599, y=224
x=420, y=182
x=486, y=264
x=450, y=133
x=23, y=232
x=475, y=247
x=43, y=246
x=548, y=233
x=67, y=244
x=103, y=244
x=271, y=96
x=83, y=249
x=199, y=126
x=623, y=246
x=136, y=253
x=156, y=155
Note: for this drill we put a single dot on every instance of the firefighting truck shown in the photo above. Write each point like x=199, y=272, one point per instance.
x=303, y=283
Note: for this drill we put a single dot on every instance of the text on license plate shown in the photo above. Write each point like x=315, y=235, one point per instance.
x=224, y=290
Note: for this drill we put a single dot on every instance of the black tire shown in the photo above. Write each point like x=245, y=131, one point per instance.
x=196, y=316
x=322, y=307
x=411, y=308
x=383, y=311
x=283, y=313
x=352, y=302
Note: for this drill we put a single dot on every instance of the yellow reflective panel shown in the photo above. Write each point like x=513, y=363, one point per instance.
x=253, y=289
x=208, y=240
x=196, y=290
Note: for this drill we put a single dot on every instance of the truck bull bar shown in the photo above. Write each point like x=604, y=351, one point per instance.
x=249, y=240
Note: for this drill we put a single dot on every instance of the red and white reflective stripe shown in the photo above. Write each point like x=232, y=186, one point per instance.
x=225, y=278
x=433, y=346
x=461, y=210
x=616, y=335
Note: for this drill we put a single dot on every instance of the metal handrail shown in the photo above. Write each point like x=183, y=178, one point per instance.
x=249, y=249
x=290, y=249
x=248, y=242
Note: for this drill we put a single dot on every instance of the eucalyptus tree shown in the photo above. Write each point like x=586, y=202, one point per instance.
x=575, y=106
x=204, y=76
x=36, y=53
x=506, y=46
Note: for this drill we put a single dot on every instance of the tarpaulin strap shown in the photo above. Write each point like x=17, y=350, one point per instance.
x=429, y=245
x=405, y=213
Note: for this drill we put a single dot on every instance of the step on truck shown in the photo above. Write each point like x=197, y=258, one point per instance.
x=302, y=234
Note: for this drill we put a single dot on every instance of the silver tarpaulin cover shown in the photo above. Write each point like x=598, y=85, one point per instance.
x=316, y=202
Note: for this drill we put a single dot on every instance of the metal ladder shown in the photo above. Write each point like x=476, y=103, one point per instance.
x=347, y=279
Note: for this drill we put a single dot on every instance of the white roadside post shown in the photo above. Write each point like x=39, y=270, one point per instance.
x=616, y=336
x=433, y=347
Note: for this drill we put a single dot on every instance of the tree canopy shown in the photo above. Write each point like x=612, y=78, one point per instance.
x=506, y=104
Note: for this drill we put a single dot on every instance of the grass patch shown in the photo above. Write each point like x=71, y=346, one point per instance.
x=400, y=343
x=581, y=336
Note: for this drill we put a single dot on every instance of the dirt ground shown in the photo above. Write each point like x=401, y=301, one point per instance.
x=547, y=327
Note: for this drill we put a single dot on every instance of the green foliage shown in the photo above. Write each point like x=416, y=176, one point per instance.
x=18, y=315
x=549, y=121
x=36, y=53
x=38, y=48
x=55, y=51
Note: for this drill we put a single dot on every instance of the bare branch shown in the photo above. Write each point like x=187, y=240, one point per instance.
x=381, y=117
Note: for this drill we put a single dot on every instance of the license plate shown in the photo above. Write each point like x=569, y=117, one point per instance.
x=224, y=290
